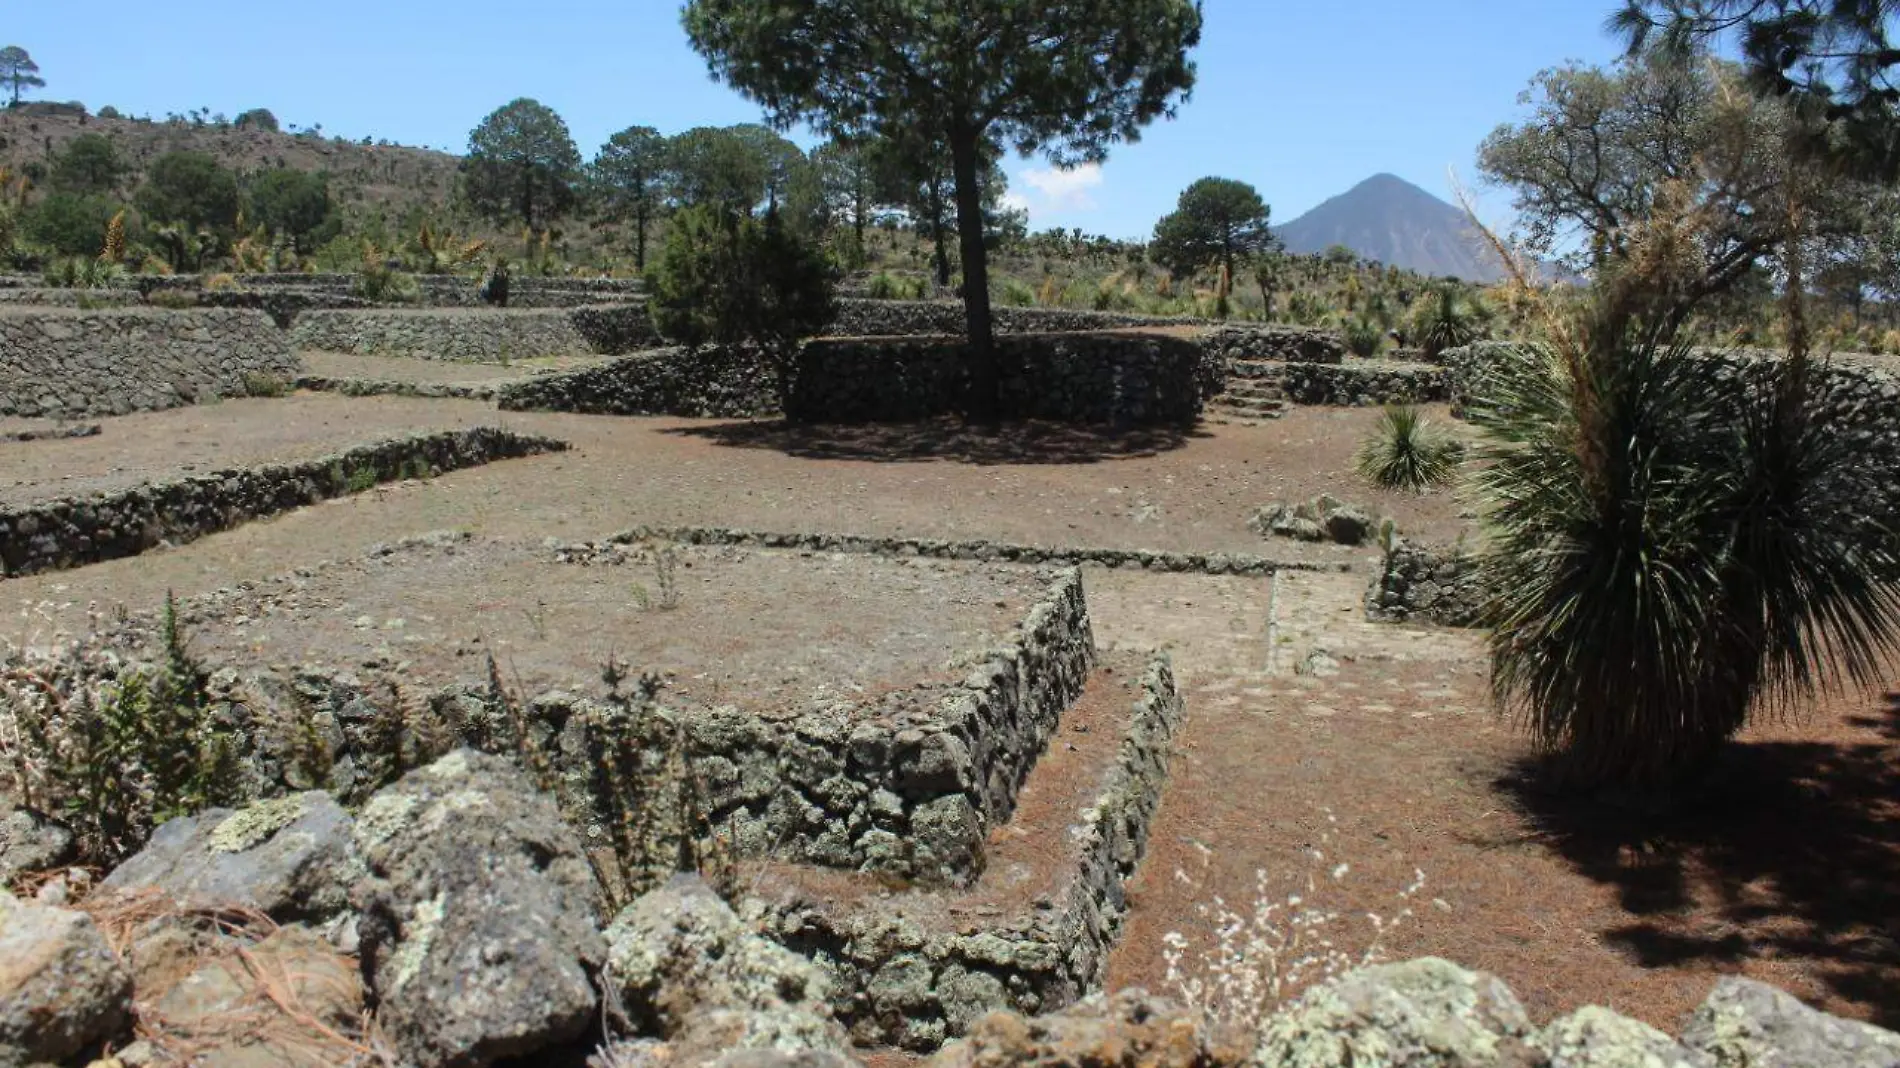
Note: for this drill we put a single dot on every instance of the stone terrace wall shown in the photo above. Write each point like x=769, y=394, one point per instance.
x=59, y=534
x=1362, y=384
x=1120, y=379
x=1418, y=584
x=710, y=382
x=897, y=982
x=438, y=290
x=66, y=363
x=474, y=335
x=861, y=317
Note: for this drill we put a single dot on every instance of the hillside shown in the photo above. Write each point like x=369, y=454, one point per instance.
x=365, y=179
x=1388, y=219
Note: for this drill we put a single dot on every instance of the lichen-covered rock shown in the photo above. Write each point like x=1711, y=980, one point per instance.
x=1745, y=1024
x=30, y=842
x=688, y=970
x=293, y=858
x=1324, y=518
x=480, y=923
x=1129, y=1030
x=62, y=989
x=1426, y=1013
x=1595, y=1037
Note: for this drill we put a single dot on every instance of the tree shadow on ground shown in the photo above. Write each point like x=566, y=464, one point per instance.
x=1790, y=850
x=949, y=439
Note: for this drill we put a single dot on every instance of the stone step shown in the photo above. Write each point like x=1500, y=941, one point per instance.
x=1254, y=388
x=1252, y=409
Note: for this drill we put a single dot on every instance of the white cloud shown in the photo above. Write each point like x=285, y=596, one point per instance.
x=1060, y=189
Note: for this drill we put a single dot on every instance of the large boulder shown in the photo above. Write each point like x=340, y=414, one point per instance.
x=1595, y=1037
x=1426, y=1013
x=480, y=923
x=1129, y=1029
x=294, y=858
x=1745, y=1024
x=62, y=988
x=688, y=970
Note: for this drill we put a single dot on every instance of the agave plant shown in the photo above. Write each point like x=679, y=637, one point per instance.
x=1447, y=320
x=1407, y=451
x=1668, y=552
x=1364, y=338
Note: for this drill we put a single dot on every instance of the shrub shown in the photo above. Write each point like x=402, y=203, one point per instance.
x=81, y=272
x=70, y=224
x=883, y=287
x=728, y=278
x=1364, y=338
x=1669, y=553
x=114, y=754
x=1015, y=294
x=1407, y=451
x=263, y=384
x=1448, y=319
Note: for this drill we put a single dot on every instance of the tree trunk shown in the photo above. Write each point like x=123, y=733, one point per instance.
x=937, y=228
x=640, y=241
x=985, y=401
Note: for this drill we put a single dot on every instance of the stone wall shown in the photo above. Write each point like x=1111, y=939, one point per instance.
x=476, y=335
x=862, y=317
x=67, y=363
x=983, y=550
x=1417, y=584
x=1360, y=384
x=437, y=290
x=1251, y=342
x=1119, y=379
x=900, y=980
x=70, y=532
x=711, y=382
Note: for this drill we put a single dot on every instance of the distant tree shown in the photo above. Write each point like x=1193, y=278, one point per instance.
x=1834, y=59
x=71, y=224
x=1273, y=274
x=1218, y=221
x=625, y=182
x=521, y=166
x=256, y=119
x=89, y=164
x=916, y=175
x=189, y=188
x=1603, y=148
x=722, y=166
x=18, y=72
x=110, y=112
x=849, y=176
x=726, y=277
x=293, y=203
x=1068, y=77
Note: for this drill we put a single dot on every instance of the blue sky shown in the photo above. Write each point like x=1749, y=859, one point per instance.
x=1302, y=99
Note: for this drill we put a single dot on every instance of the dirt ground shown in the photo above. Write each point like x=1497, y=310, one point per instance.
x=1784, y=868
x=763, y=630
x=1390, y=759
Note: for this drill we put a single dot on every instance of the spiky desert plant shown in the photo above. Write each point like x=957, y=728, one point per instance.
x=1447, y=319
x=114, y=248
x=1406, y=451
x=1668, y=553
x=1364, y=338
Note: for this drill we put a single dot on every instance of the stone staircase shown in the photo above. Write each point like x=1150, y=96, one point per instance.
x=1253, y=394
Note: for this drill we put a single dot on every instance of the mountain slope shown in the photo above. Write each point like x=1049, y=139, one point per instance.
x=1388, y=219
x=366, y=180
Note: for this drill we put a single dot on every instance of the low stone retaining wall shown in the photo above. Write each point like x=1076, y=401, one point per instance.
x=1119, y=379
x=1363, y=384
x=981, y=550
x=68, y=363
x=474, y=335
x=1425, y=585
x=59, y=534
x=709, y=382
x=396, y=387
x=437, y=290
x=900, y=981
x=1285, y=344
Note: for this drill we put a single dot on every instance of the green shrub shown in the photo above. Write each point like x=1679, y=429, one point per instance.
x=264, y=384
x=884, y=287
x=81, y=272
x=1013, y=293
x=728, y=278
x=1364, y=338
x=1406, y=451
x=1447, y=319
x=69, y=224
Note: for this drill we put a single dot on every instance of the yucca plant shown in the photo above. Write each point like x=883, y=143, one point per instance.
x=1406, y=451
x=1364, y=339
x=1448, y=319
x=1669, y=554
